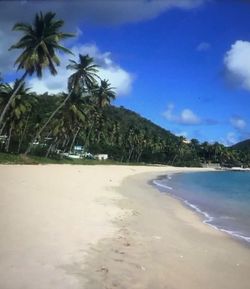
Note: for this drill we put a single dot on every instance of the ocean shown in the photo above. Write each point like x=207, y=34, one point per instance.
x=222, y=198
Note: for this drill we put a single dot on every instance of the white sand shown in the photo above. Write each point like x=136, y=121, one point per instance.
x=74, y=227
x=50, y=216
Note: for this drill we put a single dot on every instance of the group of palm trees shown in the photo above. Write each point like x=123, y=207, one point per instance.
x=40, y=43
x=44, y=124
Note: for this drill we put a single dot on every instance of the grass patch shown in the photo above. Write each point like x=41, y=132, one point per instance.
x=35, y=160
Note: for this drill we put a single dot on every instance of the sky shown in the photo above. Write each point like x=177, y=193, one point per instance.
x=183, y=64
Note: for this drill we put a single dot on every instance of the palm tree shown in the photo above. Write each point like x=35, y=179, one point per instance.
x=179, y=148
x=103, y=94
x=93, y=125
x=5, y=93
x=39, y=43
x=100, y=96
x=20, y=109
x=80, y=82
x=205, y=152
x=131, y=138
x=74, y=115
x=141, y=144
x=85, y=76
x=70, y=121
x=18, y=106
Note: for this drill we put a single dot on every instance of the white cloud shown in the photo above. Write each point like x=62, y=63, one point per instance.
x=238, y=123
x=168, y=114
x=231, y=138
x=203, y=46
x=119, y=78
x=108, y=11
x=237, y=62
x=75, y=13
x=240, y=131
x=186, y=116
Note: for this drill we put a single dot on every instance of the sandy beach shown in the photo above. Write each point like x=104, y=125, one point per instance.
x=106, y=227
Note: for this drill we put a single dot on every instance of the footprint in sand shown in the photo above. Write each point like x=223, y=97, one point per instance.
x=156, y=237
x=119, y=252
x=118, y=260
x=103, y=269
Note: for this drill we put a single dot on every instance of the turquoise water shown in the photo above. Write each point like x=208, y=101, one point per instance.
x=221, y=198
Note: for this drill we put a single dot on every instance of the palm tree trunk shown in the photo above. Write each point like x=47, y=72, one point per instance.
x=130, y=154
x=139, y=156
x=2, y=128
x=48, y=151
x=65, y=144
x=88, y=136
x=38, y=134
x=9, y=138
x=23, y=134
x=12, y=97
x=74, y=139
x=50, y=147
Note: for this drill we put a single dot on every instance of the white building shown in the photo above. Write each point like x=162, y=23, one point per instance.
x=101, y=157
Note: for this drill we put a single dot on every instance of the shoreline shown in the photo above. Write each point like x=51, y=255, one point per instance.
x=107, y=227
x=205, y=217
x=181, y=253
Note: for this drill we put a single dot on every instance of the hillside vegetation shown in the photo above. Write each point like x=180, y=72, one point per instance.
x=49, y=125
x=242, y=146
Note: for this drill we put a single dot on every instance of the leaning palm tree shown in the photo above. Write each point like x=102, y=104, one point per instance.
x=17, y=104
x=79, y=83
x=5, y=90
x=20, y=108
x=39, y=43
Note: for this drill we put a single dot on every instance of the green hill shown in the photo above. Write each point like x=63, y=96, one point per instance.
x=127, y=136
x=128, y=118
x=243, y=145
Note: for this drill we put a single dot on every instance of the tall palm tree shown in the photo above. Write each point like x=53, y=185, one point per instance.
x=85, y=74
x=39, y=43
x=100, y=96
x=103, y=94
x=79, y=83
x=74, y=116
x=70, y=121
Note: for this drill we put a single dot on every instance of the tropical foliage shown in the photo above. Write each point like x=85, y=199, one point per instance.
x=49, y=125
x=39, y=45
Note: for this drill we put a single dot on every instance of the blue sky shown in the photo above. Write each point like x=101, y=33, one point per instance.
x=183, y=64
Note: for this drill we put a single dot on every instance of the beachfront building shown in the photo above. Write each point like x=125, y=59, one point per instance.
x=211, y=165
x=78, y=150
x=101, y=157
